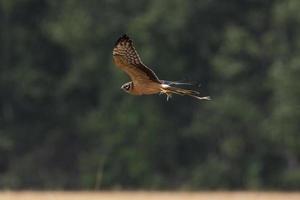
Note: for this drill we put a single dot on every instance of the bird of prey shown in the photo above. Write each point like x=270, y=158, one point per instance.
x=143, y=80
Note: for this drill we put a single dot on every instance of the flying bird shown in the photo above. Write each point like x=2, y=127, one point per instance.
x=143, y=80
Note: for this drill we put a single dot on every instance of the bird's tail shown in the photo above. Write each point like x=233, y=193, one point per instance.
x=180, y=91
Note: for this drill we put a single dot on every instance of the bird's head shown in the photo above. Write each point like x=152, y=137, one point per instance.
x=127, y=87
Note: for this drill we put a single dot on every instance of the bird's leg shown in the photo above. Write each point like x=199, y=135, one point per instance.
x=169, y=95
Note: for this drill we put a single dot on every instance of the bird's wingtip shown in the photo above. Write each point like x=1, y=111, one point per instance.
x=124, y=37
x=202, y=98
x=206, y=98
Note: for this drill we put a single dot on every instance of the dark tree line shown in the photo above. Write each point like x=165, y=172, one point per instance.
x=64, y=123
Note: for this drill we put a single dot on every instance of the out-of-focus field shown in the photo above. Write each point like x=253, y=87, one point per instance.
x=149, y=195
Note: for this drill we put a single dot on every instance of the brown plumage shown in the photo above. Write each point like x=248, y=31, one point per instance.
x=144, y=80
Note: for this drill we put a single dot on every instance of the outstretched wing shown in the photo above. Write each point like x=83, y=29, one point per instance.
x=128, y=60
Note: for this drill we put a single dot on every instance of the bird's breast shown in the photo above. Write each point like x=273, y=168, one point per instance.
x=146, y=89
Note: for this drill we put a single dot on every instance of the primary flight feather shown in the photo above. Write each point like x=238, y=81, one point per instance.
x=143, y=80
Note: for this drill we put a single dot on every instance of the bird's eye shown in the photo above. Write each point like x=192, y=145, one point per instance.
x=127, y=87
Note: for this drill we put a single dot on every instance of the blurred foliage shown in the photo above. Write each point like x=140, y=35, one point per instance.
x=64, y=123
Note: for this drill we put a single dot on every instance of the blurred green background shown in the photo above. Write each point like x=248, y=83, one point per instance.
x=65, y=124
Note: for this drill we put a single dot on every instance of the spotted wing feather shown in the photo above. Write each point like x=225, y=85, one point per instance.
x=127, y=59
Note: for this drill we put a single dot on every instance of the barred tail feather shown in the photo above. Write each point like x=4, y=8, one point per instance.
x=181, y=91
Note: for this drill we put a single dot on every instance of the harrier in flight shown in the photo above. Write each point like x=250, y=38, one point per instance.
x=143, y=80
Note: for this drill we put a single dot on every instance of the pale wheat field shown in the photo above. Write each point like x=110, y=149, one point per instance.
x=7, y=195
